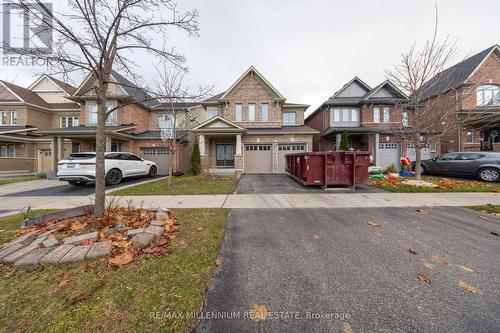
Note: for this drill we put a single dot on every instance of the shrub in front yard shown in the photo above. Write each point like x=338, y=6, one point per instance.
x=196, y=160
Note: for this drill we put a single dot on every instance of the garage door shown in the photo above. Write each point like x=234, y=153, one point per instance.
x=426, y=152
x=288, y=149
x=388, y=154
x=160, y=156
x=258, y=158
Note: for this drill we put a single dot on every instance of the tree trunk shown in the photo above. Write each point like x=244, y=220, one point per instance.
x=100, y=181
x=418, y=159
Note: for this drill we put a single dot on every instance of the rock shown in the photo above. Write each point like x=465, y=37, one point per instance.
x=53, y=257
x=10, y=249
x=47, y=233
x=50, y=242
x=75, y=240
x=155, y=230
x=54, y=226
x=142, y=239
x=39, y=240
x=13, y=257
x=31, y=260
x=117, y=228
x=100, y=250
x=420, y=183
x=24, y=239
x=161, y=215
x=133, y=232
x=77, y=253
x=157, y=223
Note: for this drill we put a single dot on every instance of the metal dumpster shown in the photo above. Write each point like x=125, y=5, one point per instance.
x=329, y=168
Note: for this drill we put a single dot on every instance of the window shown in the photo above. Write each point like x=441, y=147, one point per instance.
x=488, y=94
x=238, y=112
x=69, y=122
x=251, y=112
x=166, y=125
x=387, y=115
x=92, y=110
x=470, y=137
x=13, y=117
x=344, y=117
x=448, y=156
x=3, y=118
x=404, y=119
x=376, y=115
x=470, y=156
x=212, y=111
x=93, y=113
x=289, y=118
x=264, y=111
x=7, y=150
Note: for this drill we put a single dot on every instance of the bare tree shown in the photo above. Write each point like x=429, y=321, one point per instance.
x=175, y=121
x=98, y=36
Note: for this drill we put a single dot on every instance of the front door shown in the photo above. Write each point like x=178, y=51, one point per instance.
x=225, y=155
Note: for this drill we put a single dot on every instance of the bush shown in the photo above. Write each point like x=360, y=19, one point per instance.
x=196, y=160
x=344, y=142
x=391, y=169
x=42, y=175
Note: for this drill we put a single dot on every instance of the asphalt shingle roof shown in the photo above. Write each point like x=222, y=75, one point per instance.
x=26, y=95
x=135, y=92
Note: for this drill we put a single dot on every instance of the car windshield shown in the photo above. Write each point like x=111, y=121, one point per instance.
x=80, y=156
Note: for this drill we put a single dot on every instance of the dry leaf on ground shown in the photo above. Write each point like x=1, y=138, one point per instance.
x=441, y=260
x=468, y=286
x=424, y=278
x=422, y=211
x=121, y=259
x=429, y=265
x=495, y=233
x=316, y=236
x=218, y=261
x=63, y=283
x=466, y=269
x=259, y=313
x=77, y=225
x=412, y=251
x=346, y=327
x=374, y=224
x=200, y=229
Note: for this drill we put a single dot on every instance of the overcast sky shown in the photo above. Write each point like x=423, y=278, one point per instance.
x=309, y=49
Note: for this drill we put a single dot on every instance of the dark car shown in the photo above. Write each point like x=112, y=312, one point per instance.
x=484, y=166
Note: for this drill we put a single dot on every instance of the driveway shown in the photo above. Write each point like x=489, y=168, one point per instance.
x=331, y=262
x=282, y=183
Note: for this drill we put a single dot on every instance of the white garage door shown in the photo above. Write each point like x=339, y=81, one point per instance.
x=388, y=154
x=258, y=158
x=160, y=156
x=426, y=152
x=288, y=149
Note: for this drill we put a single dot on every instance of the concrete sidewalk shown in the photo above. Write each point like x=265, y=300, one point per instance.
x=310, y=200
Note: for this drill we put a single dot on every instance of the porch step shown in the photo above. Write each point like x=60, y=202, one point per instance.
x=222, y=170
x=16, y=174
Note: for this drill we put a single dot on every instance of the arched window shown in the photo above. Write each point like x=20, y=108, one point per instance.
x=488, y=94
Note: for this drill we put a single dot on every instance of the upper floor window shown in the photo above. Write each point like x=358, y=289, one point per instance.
x=488, y=94
x=13, y=117
x=251, y=112
x=376, y=115
x=92, y=109
x=212, y=111
x=404, y=119
x=387, y=115
x=238, y=112
x=3, y=118
x=69, y=121
x=289, y=118
x=166, y=125
x=264, y=111
x=344, y=117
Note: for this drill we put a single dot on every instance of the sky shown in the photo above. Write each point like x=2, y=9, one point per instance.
x=309, y=49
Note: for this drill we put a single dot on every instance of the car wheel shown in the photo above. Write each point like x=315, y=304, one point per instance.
x=77, y=182
x=114, y=177
x=152, y=171
x=422, y=169
x=489, y=175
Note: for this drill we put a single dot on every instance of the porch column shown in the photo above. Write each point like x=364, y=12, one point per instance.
x=60, y=149
x=376, y=148
x=108, y=143
x=238, y=144
x=53, y=158
x=201, y=144
x=338, y=140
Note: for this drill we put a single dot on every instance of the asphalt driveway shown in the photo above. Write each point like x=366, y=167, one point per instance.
x=282, y=183
x=331, y=262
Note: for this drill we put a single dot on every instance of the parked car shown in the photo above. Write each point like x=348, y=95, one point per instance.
x=79, y=168
x=484, y=166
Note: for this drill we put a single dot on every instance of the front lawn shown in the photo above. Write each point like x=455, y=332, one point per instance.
x=186, y=184
x=445, y=184
x=9, y=225
x=147, y=295
x=16, y=180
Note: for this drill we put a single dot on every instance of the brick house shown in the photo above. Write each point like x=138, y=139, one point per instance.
x=25, y=111
x=372, y=119
x=471, y=90
x=140, y=125
x=250, y=128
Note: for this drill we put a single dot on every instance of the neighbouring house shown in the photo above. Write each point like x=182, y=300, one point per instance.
x=140, y=124
x=470, y=90
x=250, y=128
x=24, y=111
x=372, y=118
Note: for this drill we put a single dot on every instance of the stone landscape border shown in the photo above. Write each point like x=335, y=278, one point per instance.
x=60, y=215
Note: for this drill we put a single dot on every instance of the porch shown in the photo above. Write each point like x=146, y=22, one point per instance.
x=489, y=140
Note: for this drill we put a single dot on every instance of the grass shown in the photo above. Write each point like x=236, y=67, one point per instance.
x=491, y=209
x=16, y=180
x=9, y=225
x=183, y=185
x=445, y=184
x=104, y=299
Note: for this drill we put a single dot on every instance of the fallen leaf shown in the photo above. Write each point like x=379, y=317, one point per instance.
x=441, y=260
x=346, y=327
x=316, y=236
x=200, y=229
x=482, y=217
x=122, y=244
x=422, y=211
x=429, y=265
x=495, y=233
x=374, y=224
x=2, y=230
x=424, y=278
x=77, y=225
x=466, y=269
x=468, y=286
x=218, y=261
x=86, y=295
x=121, y=259
x=63, y=283
x=412, y=251
x=163, y=241
x=259, y=313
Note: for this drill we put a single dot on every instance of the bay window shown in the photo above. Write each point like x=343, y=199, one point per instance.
x=488, y=94
x=404, y=119
x=69, y=122
x=344, y=117
x=238, y=112
x=376, y=115
x=3, y=117
x=13, y=117
x=264, y=111
x=289, y=118
x=387, y=115
x=212, y=111
x=251, y=112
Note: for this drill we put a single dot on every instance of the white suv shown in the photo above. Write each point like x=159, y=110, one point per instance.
x=79, y=168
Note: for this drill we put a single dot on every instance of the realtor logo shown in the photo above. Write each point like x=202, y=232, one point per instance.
x=27, y=28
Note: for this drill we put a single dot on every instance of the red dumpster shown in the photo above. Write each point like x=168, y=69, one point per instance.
x=329, y=168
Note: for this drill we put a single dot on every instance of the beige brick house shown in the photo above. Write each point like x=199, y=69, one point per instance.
x=250, y=128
